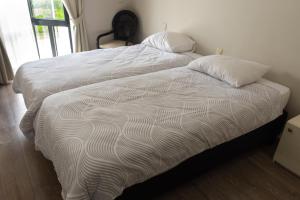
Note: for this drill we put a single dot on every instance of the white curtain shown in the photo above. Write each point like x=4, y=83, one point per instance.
x=75, y=10
x=16, y=32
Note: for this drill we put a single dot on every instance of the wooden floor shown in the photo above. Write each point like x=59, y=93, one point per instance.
x=26, y=174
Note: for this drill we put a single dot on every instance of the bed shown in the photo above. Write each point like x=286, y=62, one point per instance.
x=39, y=79
x=106, y=137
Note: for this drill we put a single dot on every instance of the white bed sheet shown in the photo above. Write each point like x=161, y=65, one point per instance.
x=105, y=137
x=39, y=79
x=284, y=91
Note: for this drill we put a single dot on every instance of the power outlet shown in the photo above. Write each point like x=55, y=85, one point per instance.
x=165, y=26
x=219, y=51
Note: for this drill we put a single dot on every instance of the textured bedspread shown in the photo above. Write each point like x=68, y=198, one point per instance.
x=108, y=136
x=37, y=80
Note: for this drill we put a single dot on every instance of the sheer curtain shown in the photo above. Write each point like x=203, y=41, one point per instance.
x=16, y=32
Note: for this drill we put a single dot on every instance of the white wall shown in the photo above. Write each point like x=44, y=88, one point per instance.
x=267, y=31
x=99, y=15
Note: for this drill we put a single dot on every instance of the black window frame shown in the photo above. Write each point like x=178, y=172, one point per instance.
x=50, y=23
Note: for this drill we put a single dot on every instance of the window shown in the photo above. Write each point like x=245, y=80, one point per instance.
x=51, y=27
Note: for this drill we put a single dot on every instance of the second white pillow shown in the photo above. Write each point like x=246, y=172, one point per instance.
x=234, y=71
x=170, y=42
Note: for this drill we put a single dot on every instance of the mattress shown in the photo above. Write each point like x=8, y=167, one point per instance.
x=106, y=137
x=39, y=79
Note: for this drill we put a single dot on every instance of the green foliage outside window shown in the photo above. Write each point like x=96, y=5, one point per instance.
x=42, y=9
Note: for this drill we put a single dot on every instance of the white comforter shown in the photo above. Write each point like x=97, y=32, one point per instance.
x=37, y=80
x=108, y=136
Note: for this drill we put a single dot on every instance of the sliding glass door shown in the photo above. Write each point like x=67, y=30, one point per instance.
x=51, y=27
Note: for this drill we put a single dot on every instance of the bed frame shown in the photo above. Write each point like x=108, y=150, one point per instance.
x=196, y=165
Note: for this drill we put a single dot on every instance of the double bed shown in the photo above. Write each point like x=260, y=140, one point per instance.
x=106, y=137
x=116, y=123
x=39, y=79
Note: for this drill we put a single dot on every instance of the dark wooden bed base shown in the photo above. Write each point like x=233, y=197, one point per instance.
x=205, y=160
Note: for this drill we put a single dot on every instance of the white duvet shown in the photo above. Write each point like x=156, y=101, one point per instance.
x=109, y=136
x=39, y=79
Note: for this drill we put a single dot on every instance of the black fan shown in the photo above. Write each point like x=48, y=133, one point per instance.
x=125, y=24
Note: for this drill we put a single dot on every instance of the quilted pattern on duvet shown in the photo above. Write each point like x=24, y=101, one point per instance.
x=39, y=79
x=108, y=136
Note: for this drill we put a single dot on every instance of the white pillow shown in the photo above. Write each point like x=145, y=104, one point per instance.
x=170, y=42
x=234, y=71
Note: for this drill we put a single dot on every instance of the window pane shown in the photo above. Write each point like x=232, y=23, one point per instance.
x=62, y=40
x=43, y=40
x=48, y=9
